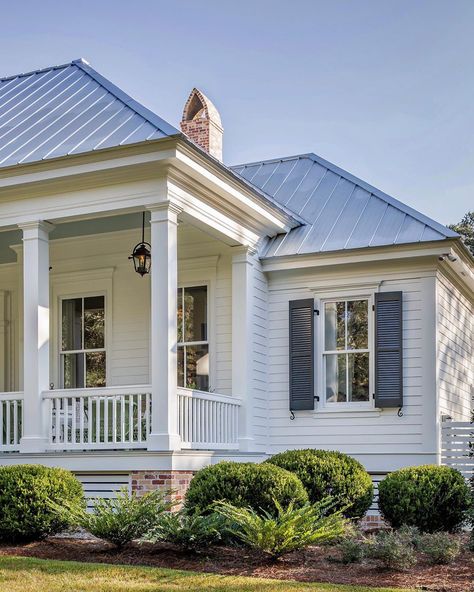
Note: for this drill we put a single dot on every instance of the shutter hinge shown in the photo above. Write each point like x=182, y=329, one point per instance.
x=316, y=311
x=373, y=396
x=373, y=306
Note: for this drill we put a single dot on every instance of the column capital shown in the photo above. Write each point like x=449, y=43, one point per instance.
x=243, y=254
x=164, y=210
x=35, y=228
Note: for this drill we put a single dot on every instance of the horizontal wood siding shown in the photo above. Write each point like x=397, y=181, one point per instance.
x=380, y=438
x=456, y=351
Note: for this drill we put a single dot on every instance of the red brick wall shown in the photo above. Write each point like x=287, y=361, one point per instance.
x=176, y=482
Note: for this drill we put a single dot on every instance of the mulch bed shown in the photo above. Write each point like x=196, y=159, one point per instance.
x=316, y=564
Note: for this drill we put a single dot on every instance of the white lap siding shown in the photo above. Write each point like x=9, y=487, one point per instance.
x=456, y=352
x=379, y=438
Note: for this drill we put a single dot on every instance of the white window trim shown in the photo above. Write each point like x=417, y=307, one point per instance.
x=83, y=350
x=202, y=271
x=196, y=284
x=98, y=282
x=335, y=407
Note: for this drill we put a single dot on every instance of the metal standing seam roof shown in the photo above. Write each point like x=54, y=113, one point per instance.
x=69, y=109
x=341, y=211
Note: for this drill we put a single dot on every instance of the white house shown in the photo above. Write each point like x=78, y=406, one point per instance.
x=289, y=303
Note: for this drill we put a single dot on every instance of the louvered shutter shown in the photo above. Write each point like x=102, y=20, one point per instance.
x=301, y=350
x=388, y=349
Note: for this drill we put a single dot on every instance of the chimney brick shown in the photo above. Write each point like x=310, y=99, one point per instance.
x=202, y=124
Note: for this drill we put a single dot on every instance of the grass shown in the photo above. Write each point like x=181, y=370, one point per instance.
x=25, y=574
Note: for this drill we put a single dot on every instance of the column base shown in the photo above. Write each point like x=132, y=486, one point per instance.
x=246, y=445
x=160, y=442
x=29, y=444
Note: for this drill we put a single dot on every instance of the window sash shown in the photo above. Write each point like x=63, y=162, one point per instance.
x=184, y=345
x=346, y=352
x=83, y=351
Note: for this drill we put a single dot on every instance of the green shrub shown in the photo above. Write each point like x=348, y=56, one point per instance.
x=410, y=535
x=191, y=532
x=391, y=550
x=121, y=519
x=292, y=528
x=26, y=492
x=351, y=550
x=244, y=484
x=430, y=497
x=326, y=473
x=440, y=547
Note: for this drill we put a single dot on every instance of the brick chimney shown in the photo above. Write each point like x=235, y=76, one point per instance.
x=201, y=122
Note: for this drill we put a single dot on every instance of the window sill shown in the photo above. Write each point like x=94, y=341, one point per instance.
x=348, y=411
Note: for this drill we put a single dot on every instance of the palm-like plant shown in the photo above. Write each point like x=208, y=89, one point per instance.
x=291, y=529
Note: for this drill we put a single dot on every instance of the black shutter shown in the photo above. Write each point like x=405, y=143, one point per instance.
x=301, y=354
x=388, y=350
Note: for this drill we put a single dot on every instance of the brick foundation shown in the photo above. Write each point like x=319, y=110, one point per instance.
x=372, y=522
x=177, y=482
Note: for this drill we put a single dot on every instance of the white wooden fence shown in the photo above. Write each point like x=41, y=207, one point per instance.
x=207, y=420
x=455, y=446
x=11, y=421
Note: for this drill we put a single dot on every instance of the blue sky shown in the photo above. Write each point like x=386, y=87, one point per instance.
x=382, y=88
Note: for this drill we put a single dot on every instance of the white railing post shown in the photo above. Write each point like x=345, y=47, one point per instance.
x=35, y=334
x=242, y=342
x=164, y=284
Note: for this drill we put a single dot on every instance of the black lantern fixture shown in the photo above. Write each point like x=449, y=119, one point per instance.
x=141, y=254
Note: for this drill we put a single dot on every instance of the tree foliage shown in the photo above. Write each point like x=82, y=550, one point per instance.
x=466, y=229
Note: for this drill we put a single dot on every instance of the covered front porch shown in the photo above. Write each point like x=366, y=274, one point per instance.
x=66, y=231
x=98, y=358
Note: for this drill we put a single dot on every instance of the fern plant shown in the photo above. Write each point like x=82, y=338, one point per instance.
x=292, y=528
x=121, y=519
x=191, y=532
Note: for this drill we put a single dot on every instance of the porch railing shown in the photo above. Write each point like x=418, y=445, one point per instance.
x=207, y=420
x=11, y=421
x=120, y=418
x=99, y=418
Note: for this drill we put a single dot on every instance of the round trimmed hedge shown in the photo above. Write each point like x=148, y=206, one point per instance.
x=430, y=497
x=244, y=485
x=328, y=473
x=26, y=492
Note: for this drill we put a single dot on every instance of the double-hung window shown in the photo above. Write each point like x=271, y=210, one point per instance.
x=193, y=344
x=83, y=355
x=346, y=351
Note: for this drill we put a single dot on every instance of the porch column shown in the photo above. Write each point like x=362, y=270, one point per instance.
x=242, y=342
x=164, y=287
x=35, y=334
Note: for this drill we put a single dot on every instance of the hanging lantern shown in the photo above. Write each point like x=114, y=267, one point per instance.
x=141, y=254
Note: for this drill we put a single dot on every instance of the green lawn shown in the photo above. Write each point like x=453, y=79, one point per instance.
x=24, y=574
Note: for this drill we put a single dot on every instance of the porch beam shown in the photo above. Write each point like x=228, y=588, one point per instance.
x=164, y=286
x=35, y=333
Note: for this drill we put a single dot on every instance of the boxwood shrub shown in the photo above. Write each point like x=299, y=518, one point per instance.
x=327, y=473
x=429, y=497
x=26, y=492
x=244, y=485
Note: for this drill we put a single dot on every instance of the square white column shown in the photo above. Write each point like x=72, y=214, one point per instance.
x=242, y=342
x=164, y=328
x=35, y=334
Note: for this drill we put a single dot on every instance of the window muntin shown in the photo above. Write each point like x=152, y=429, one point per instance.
x=346, y=353
x=193, y=344
x=83, y=355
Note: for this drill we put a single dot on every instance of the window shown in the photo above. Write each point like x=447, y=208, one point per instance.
x=346, y=352
x=82, y=356
x=193, y=345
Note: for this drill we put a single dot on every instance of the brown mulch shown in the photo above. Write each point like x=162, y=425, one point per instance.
x=316, y=564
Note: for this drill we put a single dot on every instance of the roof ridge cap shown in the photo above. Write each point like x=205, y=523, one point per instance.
x=125, y=98
x=40, y=70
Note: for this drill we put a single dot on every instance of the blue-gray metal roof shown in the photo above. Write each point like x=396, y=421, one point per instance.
x=341, y=211
x=69, y=109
